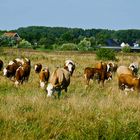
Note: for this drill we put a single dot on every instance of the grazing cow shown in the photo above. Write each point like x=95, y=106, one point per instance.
x=129, y=81
x=134, y=67
x=1, y=65
x=70, y=66
x=102, y=72
x=124, y=70
x=38, y=67
x=103, y=75
x=22, y=73
x=112, y=67
x=59, y=80
x=44, y=77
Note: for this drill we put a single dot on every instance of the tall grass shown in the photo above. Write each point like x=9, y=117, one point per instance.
x=97, y=112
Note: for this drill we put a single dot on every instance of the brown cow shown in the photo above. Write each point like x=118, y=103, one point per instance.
x=44, y=77
x=89, y=73
x=59, y=80
x=129, y=81
x=102, y=67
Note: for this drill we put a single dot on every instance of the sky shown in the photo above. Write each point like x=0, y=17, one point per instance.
x=86, y=14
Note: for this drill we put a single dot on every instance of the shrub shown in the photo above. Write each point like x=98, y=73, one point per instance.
x=69, y=47
x=24, y=44
x=105, y=54
x=84, y=45
x=126, y=49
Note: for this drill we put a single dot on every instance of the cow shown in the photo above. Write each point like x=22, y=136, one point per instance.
x=13, y=65
x=22, y=73
x=1, y=65
x=103, y=72
x=128, y=81
x=70, y=66
x=37, y=67
x=89, y=73
x=44, y=77
x=59, y=80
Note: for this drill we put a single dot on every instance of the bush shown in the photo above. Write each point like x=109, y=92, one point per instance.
x=126, y=49
x=24, y=44
x=84, y=45
x=69, y=47
x=105, y=54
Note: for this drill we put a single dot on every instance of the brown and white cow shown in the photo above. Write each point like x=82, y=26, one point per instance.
x=13, y=65
x=1, y=65
x=59, y=80
x=38, y=67
x=44, y=77
x=22, y=73
x=70, y=66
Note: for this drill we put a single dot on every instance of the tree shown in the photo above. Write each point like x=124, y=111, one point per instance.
x=24, y=44
x=84, y=44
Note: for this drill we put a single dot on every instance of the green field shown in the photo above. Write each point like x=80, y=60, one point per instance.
x=103, y=113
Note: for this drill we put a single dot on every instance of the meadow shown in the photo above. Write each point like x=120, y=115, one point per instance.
x=93, y=113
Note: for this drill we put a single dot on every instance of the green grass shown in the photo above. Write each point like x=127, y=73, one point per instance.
x=103, y=113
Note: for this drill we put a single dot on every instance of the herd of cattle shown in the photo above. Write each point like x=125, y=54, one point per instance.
x=18, y=70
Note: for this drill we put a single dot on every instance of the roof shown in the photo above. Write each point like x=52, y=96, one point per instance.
x=11, y=34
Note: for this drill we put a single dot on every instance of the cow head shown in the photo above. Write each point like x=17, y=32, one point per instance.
x=70, y=67
x=134, y=68
x=6, y=72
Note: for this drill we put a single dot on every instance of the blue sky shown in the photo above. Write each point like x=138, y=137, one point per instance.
x=87, y=14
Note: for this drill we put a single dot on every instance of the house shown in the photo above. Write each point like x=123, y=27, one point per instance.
x=136, y=45
x=12, y=35
x=124, y=45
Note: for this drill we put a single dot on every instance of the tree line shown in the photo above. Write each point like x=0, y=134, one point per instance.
x=61, y=38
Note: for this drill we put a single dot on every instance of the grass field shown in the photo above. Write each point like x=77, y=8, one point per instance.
x=103, y=113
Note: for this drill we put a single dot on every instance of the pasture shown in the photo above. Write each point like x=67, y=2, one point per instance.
x=94, y=113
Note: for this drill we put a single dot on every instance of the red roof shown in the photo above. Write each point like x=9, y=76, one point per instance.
x=10, y=34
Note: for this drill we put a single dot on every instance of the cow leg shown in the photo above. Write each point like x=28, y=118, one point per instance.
x=59, y=94
x=87, y=81
x=66, y=89
x=121, y=85
x=103, y=83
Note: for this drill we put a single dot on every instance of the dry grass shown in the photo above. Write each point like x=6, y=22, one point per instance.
x=93, y=113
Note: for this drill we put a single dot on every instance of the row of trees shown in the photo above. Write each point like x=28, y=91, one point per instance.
x=70, y=38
